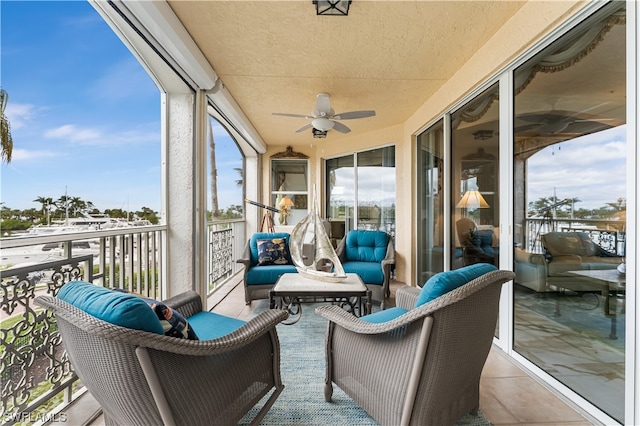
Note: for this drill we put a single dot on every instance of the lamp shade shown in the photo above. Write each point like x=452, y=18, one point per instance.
x=286, y=202
x=472, y=200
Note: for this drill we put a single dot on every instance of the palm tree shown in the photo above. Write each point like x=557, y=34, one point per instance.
x=46, y=202
x=77, y=205
x=214, y=174
x=5, y=129
x=62, y=204
x=240, y=171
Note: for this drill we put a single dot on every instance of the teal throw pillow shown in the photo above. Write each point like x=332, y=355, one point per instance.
x=174, y=324
x=444, y=282
x=115, y=307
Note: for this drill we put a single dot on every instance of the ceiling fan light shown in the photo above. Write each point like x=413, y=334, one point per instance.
x=323, y=124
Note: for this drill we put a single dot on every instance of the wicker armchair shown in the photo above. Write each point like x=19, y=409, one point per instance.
x=259, y=280
x=143, y=378
x=423, y=365
x=371, y=255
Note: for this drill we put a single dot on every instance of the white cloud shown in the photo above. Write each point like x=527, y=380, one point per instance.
x=590, y=168
x=19, y=155
x=73, y=133
x=92, y=136
x=20, y=115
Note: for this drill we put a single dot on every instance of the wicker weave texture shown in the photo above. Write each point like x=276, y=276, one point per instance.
x=374, y=363
x=204, y=382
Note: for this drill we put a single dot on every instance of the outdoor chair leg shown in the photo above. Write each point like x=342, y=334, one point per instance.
x=328, y=392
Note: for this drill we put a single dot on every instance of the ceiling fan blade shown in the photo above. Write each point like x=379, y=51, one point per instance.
x=340, y=127
x=323, y=104
x=283, y=114
x=526, y=127
x=354, y=114
x=303, y=128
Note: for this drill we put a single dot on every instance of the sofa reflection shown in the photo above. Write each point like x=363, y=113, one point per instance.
x=564, y=252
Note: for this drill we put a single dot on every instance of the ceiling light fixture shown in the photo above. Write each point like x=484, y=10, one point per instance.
x=318, y=134
x=332, y=7
x=322, y=124
x=483, y=135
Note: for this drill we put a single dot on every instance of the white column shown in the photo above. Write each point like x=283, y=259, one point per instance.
x=178, y=192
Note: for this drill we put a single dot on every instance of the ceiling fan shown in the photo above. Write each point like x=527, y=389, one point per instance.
x=559, y=122
x=323, y=117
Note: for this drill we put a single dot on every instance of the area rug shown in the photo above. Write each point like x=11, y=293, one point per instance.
x=303, y=372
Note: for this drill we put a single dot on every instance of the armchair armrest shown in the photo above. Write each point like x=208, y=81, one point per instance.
x=390, y=257
x=246, y=257
x=406, y=297
x=249, y=332
x=188, y=303
x=528, y=257
x=346, y=320
x=340, y=249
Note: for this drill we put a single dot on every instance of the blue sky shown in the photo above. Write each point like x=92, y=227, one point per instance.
x=84, y=114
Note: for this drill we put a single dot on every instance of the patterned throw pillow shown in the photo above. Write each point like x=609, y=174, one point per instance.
x=273, y=252
x=173, y=323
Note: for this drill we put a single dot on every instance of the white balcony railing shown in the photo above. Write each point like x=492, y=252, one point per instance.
x=608, y=234
x=36, y=376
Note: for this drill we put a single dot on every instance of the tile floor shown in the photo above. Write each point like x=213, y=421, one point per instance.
x=508, y=395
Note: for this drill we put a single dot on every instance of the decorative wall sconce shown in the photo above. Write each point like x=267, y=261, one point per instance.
x=483, y=135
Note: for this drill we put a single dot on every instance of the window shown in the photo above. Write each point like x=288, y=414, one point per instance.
x=290, y=190
x=371, y=186
x=226, y=175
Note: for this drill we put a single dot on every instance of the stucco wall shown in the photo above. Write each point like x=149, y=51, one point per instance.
x=532, y=23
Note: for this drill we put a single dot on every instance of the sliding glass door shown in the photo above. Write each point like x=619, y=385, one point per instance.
x=361, y=192
x=475, y=198
x=570, y=210
x=430, y=203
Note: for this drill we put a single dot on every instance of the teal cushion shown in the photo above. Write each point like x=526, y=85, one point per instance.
x=369, y=272
x=208, y=325
x=366, y=246
x=261, y=275
x=123, y=309
x=486, y=237
x=444, y=282
x=384, y=316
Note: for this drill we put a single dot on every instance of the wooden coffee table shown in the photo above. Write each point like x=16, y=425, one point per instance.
x=292, y=289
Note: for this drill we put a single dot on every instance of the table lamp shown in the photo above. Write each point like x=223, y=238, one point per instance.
x=472, y=200
x=285, y=205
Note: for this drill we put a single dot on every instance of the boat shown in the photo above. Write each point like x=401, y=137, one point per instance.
x=87, y=222
x=325, y=265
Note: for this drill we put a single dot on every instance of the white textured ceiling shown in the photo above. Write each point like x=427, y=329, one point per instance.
x=389, y=56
